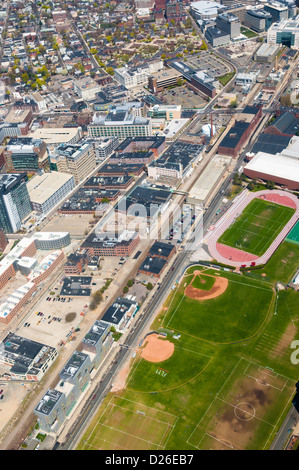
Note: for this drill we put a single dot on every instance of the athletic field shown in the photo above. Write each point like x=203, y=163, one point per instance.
x=230, y=380
x=293, y=235
x=220, y=314
x=257, y=226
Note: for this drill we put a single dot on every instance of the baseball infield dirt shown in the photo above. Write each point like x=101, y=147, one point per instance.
x=157, y=349
x=218, y=288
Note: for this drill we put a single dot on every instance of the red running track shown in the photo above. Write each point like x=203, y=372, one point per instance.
x=238, y=258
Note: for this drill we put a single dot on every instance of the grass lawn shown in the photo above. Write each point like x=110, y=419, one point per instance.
x=283, y=263
x=248, y=33
x=224, y=79
x=184, y=365
x=224, y=319
x=257, y=226
x=203, y=282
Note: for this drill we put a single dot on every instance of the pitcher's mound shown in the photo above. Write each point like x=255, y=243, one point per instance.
x=157, y=349
x=218, y=288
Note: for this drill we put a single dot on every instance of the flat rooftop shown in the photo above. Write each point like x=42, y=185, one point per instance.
x=42, y=187
x=275, y=165
x=55, y=135
x=153, y=265
x=209, y=178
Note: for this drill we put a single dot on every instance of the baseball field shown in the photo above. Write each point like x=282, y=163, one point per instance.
x=216, y=371
x=257, y=226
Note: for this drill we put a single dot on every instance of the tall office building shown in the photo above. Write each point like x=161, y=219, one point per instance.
x=277, y=11
x=258, y=19
x=25, y=154
x=78, y=160
x=229, y=23
x=120, y=122
x=14, y=201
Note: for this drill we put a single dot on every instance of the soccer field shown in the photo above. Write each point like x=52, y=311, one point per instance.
x=257, y=227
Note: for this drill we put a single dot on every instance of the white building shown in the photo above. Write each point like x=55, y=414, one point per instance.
x=205, y=10
x=46, y=190
x=86, y=88
x=132, y=77
x=286, y=32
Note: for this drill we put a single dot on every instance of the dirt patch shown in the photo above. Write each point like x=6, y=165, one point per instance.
x=156, y=349
x=236, y=421
x=218, y=288
x=121, y=379
x=285, y=341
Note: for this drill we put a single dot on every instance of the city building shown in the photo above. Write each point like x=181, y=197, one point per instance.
x=145, y=201
x=131, y=77
x=76, y=286
x=86, y=88
x=54, y=136
x=244, y=79
x=28, y=360
x=77, y=159
x=168, y=112
x=109, y=182
x=57, y=404
x=199, y=79
x=87, y=200
x=237, y=9
x=277, y=10
x=51, y=240
x=162, y=250
x=118, y=169
x=245, y=123
x=152, y=266
x=217, y=37
x=51, y=411
x=175, y=10
x=204, y=188
x=111, y=244
x=266, y=53
x=229, y=23
x=121, y=123
x=47, y=190
x=76, y=262
x=22, y=118
x=140, y=4
x=97, y=342
x=45, y=267
x=154, y=144
x=132, y=157
x=282, y=168
x=3, y=240
x=104, y=147
x=25, y=154
x=285, y=33
x=175, y=161
x=258, y=19
x=286, y=124
x=120, y=313
x=13, y=304
x=14, y=202
x=163, y=79
x=205, y=10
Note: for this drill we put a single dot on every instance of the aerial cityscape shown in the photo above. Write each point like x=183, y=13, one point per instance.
x=149, y=227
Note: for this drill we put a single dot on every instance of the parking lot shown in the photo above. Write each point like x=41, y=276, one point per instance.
x=213, y=65
x=183, y=96
x=11, y=397
x=54, y=318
